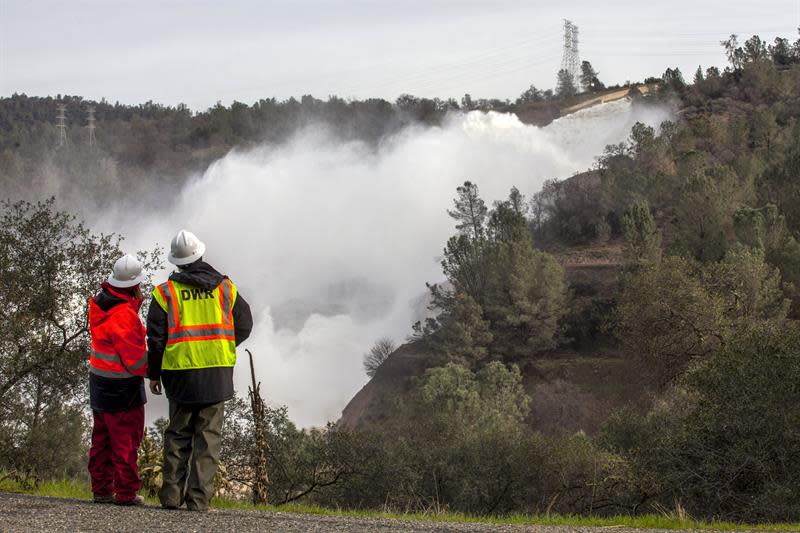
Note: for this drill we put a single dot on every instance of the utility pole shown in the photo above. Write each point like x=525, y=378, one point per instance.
x=570, y=60
x=260, y=478
x=62, y=125
x=91, y=125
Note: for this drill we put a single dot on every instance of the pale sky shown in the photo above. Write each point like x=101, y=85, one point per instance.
x=202, y=52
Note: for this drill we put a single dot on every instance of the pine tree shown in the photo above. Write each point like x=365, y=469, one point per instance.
x=526, y=296
x=532, y=94
x=517, y=202
x=642, y=238
x=498, y=279
x=470, y=211
x=463, y=335
x=566, y=85
x=698, y=75
x=589, y=80
x=673, y=79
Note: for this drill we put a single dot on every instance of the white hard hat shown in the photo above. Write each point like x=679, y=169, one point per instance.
x=127, y=272
x=185, y=248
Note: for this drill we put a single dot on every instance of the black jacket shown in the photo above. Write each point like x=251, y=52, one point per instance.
x=107, y=394
x=202, y=385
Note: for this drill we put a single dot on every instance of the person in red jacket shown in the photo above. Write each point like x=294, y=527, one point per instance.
x=116, y=389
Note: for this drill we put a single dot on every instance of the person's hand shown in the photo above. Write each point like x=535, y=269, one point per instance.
x=155, y=386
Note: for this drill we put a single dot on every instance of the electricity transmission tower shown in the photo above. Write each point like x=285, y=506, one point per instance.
x=570, y=60
x=62, y=125
x=91, y=125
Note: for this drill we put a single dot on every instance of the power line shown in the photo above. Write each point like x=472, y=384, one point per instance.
x=434, y=73
x=438, y=74
x=500, y=69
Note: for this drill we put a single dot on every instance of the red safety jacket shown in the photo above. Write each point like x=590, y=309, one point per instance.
x=118, y=338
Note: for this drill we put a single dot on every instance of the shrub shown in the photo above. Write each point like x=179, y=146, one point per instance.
x=725, y=443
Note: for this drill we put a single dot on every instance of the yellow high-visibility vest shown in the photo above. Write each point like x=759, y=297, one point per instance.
x=200, y=330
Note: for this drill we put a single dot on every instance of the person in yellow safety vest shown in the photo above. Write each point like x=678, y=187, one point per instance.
x=194, y=323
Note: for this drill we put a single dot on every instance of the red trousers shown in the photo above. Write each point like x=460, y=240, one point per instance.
x=116, y=437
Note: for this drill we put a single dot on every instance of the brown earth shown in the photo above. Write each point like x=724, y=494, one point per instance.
x=543, y=113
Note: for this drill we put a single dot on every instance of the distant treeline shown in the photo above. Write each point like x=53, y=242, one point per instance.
x=150, y=145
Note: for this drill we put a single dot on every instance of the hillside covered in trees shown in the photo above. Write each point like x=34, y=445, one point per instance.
x=623, y=341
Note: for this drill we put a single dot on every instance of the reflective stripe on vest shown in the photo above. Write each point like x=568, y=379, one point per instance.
x=200, y=331
x=167, y=292
x=189, y=333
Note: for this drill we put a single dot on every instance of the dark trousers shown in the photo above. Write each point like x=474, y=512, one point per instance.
x=116, y=437
x=192, y=443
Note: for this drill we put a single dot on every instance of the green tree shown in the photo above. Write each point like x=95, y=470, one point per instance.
x=565, y=86
x=676, y=313
x=755, y=49
x=461, y=334
x=642, y=237
x=723, y=445
x=572, y=211
x=667, y=318
x=712, y=86
x=782, y=54
x=517, y=202
x=673, y=79
x=517, y=290
x=470, y=211
x=742, y=434
x=779, y=185
x=463, y=261
x=507, y=222
x=750, y=287
x=531, y=94
x=526, y=299
x=765, y=229
x=733, y=51
x=465, y=429
x=704, y=213
x=51, y=266
x=589, y=80
x=698, y=76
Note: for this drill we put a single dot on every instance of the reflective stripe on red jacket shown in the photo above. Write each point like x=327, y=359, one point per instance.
x=118, y=337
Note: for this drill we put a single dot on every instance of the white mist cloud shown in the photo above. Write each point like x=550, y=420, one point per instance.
x=331, y=243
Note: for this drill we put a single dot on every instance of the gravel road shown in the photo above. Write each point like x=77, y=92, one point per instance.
x=34, y=513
